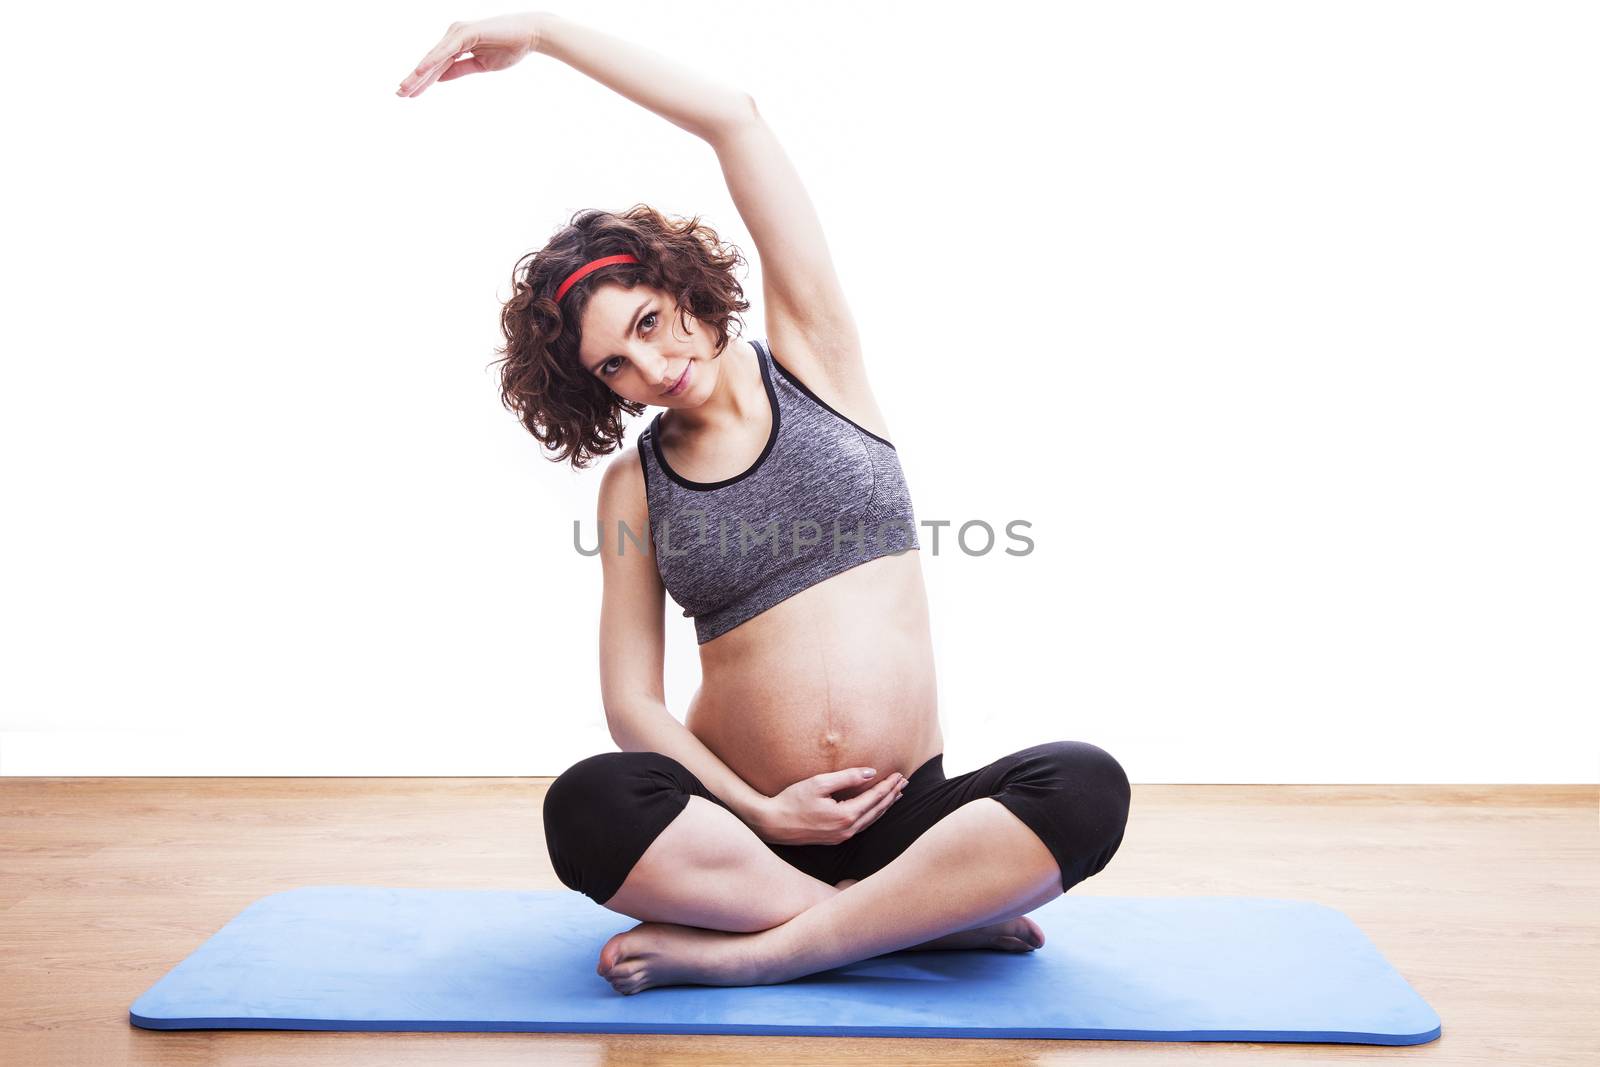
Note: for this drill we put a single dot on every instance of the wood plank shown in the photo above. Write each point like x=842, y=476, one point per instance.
x=1487, y=898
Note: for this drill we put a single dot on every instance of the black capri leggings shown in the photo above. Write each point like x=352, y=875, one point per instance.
x=604, y=811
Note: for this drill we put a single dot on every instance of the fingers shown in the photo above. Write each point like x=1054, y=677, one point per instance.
x=470, y=65
x=454, y=42
x=832, y=782
x=872, y=814
x=423, y=76
x=868, y=799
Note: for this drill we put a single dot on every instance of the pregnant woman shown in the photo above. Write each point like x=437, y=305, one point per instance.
x=799, y=819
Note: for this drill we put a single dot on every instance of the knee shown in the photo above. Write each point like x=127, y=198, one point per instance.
x=591, y=804
x=1093, y=789
x=575, y=789
x=595, y=793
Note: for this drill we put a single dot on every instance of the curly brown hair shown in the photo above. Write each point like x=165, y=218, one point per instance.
x=572, y=412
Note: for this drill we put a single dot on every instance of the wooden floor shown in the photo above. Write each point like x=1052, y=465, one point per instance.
x=1486, y=898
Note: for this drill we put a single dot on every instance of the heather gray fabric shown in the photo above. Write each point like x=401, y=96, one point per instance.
x=825, y=495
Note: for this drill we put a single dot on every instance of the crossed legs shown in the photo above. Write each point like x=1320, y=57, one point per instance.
x=638, y=832
x=979, y=865
x=708, y=869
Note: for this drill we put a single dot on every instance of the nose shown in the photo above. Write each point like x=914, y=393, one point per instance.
x=656, y=368
x=666, y=375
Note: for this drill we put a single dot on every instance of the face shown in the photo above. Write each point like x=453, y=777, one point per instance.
x=635, y=342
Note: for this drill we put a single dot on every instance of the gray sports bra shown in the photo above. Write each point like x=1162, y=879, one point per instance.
x=825, y=495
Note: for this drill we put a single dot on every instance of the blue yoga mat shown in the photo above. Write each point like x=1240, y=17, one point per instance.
x=1121, y=968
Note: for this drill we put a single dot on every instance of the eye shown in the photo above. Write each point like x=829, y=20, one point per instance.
x=606, y=369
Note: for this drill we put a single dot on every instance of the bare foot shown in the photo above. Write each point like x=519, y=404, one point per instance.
x=653, y=954
x=1021, y=934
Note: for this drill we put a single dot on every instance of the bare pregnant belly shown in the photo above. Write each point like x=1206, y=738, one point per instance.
x=839, y=675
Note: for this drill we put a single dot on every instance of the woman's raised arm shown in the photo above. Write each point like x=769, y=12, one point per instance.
x=807, y=317
x=672, y=90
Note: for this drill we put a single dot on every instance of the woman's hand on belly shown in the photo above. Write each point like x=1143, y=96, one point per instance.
x=806, y=814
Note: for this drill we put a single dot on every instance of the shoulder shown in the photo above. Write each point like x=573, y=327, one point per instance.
x=622, y=487
x=623, y=515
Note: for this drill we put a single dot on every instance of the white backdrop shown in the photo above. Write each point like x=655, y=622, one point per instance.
x=1276, y=321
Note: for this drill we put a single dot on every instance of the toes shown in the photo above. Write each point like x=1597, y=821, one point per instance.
x=624, y=979
x=629, y=984
x=610, y=954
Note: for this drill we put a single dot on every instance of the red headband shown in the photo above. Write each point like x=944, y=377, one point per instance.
x=589, y=268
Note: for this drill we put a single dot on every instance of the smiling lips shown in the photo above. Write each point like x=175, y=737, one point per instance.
x=682, y=382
